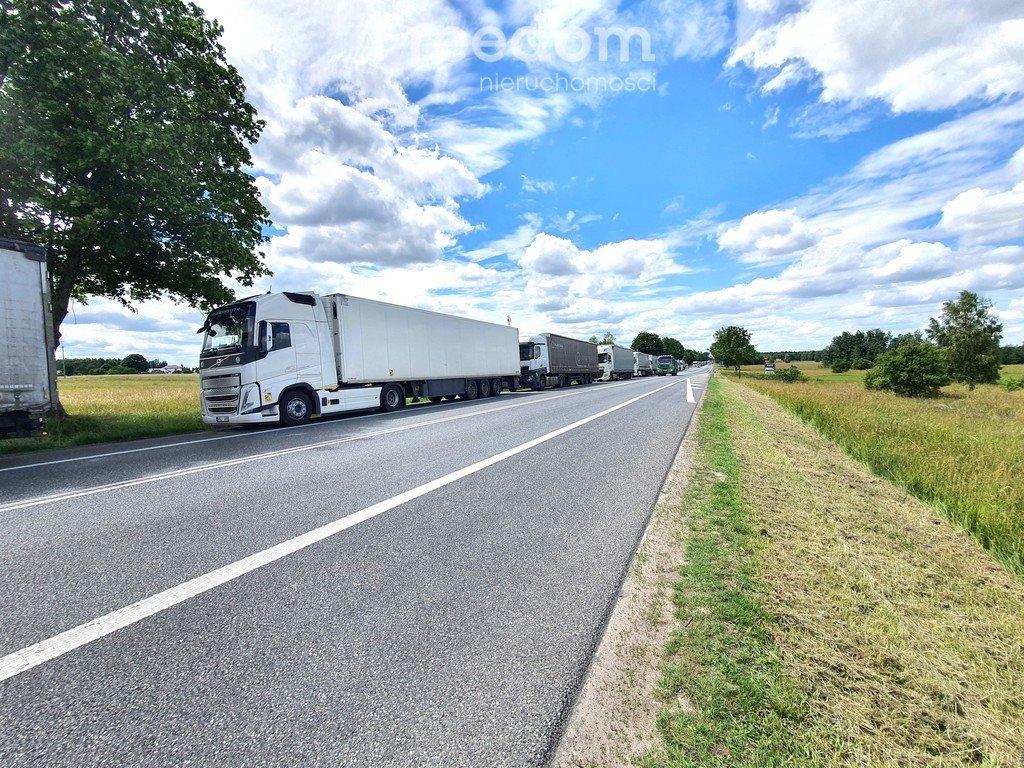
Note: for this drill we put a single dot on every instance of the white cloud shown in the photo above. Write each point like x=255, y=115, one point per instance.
x=537, y=185
x=768, y=237
x=926, y=55
x=982, y=215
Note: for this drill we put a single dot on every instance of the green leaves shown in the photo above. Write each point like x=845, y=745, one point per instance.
x=732, y=346
x=913, y=370
x=126, y=142
x=969, y=336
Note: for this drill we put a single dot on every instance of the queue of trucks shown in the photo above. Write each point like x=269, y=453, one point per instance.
x=287, y=357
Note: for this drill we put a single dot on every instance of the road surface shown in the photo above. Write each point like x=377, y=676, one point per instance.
x=417, y=588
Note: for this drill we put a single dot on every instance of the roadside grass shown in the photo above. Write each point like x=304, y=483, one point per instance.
x=827, y=618
x=962, y=452
x=732, y=705
x=108, y=408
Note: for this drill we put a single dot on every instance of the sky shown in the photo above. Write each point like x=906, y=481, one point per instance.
x=796, y=167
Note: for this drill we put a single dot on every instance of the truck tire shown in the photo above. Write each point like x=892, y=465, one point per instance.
x=295, y=408
x=392, y=398
x=484, y=385
x=495, y=387
x=516, y=383
x=471, y=390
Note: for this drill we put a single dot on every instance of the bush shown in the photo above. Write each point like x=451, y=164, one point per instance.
x=789, y=374
x=862, y=364
x=840, y=366
x=1011, y=383
x=916, y=370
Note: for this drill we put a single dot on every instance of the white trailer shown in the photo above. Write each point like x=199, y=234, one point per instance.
x=643, y=364
x=28, y=373
x=287, y=357
x=615, y=362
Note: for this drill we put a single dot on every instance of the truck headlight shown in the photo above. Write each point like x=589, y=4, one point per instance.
x=250, y=398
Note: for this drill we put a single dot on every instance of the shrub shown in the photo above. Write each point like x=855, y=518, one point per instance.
x=840, y=366
x=862, y=364
x=1011, y=383
x=916, y=370
x=789, y=374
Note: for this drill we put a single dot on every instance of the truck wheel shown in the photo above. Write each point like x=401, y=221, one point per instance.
x=484, y=386
x=471, y=390
x=495, y=387
x=295, y=408
x=392, y=397
x=516, y=383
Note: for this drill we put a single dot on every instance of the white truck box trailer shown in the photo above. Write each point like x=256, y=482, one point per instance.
x=615, y=362
x=643, y=364
x=287, y=357
x=28, y=372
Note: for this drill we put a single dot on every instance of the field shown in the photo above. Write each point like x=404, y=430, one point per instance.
x=107, y=408
x=962, y=452
x=824, y=617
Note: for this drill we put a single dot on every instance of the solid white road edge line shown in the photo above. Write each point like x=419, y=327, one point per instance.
x=53, y=647
x=278, y=430
x=56, y=497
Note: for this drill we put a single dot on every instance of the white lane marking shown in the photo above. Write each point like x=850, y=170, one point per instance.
x=689, y=391
x=92, y=491
x=46, y=650
x=277, y=430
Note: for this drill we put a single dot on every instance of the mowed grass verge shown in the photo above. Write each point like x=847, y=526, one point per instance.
x=825, y=617
x=962, y=452
x=108, y=408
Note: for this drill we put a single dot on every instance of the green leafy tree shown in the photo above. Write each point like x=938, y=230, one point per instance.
x=594, y=340
x=673, y=347
x=841, y=365
x=913, y=370
x=648, y=342
x=969, y=336
x=608, y=339
x=125, y=144
x=732, y=346
x=905, y=339
x=136, y=363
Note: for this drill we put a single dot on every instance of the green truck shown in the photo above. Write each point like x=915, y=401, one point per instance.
x=666, y=364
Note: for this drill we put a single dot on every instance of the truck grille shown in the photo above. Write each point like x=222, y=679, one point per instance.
x=220, y=393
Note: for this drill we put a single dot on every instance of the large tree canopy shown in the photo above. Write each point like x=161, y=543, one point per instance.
x=648, y=342
x=969, y=335
x=125, y=138
x=732, y=346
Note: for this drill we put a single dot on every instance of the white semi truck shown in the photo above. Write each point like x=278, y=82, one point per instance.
x=615, y=362
x=28, y=373
x=550, y=360
x=643, y=364
x=287, y=357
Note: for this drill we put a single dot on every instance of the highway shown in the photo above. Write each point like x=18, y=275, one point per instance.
x=418, y=588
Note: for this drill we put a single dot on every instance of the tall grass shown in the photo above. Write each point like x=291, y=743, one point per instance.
x=962, y=452
x=107, y=408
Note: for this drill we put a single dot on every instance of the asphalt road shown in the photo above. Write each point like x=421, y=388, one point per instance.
x=447, y=619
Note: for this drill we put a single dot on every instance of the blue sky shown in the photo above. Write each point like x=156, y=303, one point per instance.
x=799, y=167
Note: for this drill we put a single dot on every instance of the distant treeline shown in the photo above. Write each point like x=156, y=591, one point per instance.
x=856, y=348
x=104, y=366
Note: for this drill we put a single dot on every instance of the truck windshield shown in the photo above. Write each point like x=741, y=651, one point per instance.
x=526, y=351
x=666, y=360
x=603, y=357
x=229, y=328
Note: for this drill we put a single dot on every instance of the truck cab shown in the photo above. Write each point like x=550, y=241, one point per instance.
x=256, y=349
x=533, y=362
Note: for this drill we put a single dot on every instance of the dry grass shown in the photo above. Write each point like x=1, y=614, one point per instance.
x=107, y=408
x=962, y=452
x=904, y=638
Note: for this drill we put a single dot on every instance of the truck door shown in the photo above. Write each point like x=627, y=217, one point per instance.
x=307, y=354
x=278, y=364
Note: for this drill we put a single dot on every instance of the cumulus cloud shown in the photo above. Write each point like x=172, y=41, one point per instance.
x=982, y=215
x=912, y=56
x=768, y=237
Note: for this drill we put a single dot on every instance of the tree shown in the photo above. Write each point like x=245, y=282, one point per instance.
x=913, y=370
x=732, y=346
x=593, y=340
x=648, y=342
x=125, y=144
x=136, y=363
x=969, y=336
x=905, y=339
x=674, y=348
x=608, y=339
